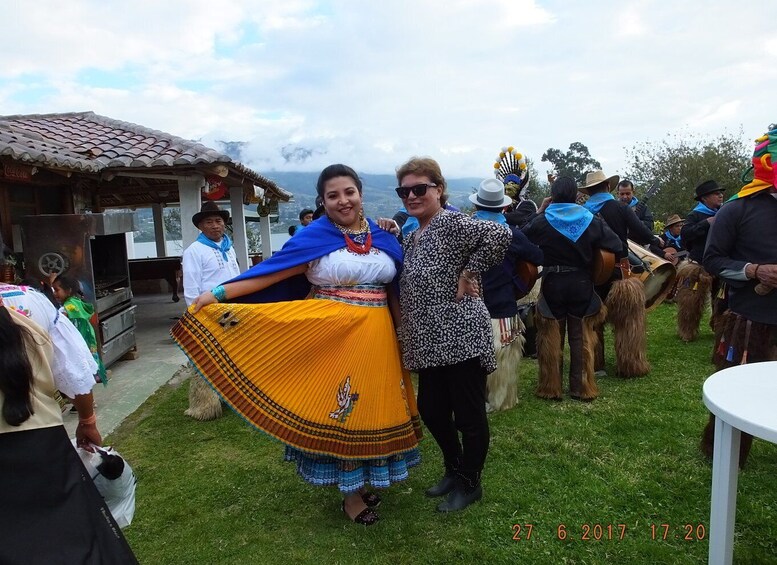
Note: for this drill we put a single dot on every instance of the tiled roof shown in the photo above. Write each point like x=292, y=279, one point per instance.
x=91, y=143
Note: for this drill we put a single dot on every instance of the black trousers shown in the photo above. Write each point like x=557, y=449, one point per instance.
x=568, y=294
x=452, y=401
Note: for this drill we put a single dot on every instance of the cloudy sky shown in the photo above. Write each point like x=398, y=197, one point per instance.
x=307, y=83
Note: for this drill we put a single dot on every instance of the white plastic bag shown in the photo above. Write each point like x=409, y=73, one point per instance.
x=114, y=480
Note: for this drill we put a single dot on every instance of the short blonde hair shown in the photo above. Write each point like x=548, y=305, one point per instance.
x=428, y=167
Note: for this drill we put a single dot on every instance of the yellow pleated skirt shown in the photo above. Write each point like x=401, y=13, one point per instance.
x=321, y=375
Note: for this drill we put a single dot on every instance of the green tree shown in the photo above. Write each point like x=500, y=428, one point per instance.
x=680, y=162
x=574, y=163
x=537, y=188
x=172, y=219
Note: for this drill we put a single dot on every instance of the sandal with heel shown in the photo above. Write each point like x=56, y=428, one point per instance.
x=371, y=499
x=366, y=517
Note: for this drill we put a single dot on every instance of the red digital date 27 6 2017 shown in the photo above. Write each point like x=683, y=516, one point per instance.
x=613, y=532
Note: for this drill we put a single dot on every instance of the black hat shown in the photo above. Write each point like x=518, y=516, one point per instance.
x=209, y=209
x=705, y=188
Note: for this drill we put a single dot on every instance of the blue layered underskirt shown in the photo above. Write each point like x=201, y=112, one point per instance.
x=351, y=475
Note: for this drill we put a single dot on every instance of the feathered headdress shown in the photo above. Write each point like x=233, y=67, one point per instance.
x=764, y=174
x=510, y=168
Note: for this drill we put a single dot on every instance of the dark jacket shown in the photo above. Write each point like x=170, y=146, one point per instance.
x=498, y=286
x=523, y=213
x=744, y=232
x=559, y=250
x=644, y=215
x=622, y=220
x=694, y=234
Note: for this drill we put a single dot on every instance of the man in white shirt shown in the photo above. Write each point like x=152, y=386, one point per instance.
x=207, y=262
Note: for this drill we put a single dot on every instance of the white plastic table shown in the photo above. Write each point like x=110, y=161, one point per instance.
x=743, y=399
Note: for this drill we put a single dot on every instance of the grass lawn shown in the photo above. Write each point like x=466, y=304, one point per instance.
x=625, y=470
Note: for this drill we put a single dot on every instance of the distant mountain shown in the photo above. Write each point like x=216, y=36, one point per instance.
x=380, y=200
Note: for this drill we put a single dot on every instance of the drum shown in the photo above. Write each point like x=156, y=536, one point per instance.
x=658, y=277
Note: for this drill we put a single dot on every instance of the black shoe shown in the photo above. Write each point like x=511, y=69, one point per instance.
x=443, y=487
x=459, y=499
x=366, y=517
x=371, y=499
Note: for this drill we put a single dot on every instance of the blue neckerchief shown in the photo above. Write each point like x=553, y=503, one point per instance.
x=673, y=239
x=224, y=246
x=633, y=202
x=595, y=203
x=319, y=238
x=704, y=210
x=489, y=216
x=411, y=224
x=570, y=220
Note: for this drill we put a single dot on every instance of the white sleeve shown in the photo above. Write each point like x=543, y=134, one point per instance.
x=72, y=365
x=192, y=275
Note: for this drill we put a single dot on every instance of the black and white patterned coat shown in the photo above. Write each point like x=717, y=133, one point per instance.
x=436, y=330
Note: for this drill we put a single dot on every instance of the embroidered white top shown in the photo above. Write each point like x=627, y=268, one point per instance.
x=343, y=267
x=72, y=363
x=205, y=268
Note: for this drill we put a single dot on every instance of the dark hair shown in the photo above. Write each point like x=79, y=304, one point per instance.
x=305, y=212
x=564, y=190
x=426, y=167
x=41, y=287
x=320, y=210
x=626, y=183
x=15, y=371
x=71, y=286
x=334, y=171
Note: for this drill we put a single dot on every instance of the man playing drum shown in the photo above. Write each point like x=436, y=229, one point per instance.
x=626, y=195
x=623, y=296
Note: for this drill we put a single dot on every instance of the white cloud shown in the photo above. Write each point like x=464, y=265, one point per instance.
x=373, y=83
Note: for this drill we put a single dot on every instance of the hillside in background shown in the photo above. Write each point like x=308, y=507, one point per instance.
x=380, y=200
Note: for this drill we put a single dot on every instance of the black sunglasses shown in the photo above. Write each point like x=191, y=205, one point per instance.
x=418, y=189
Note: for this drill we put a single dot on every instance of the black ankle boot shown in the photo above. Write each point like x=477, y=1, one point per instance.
x=447, y=483
x=443, y=486
x=466, y=492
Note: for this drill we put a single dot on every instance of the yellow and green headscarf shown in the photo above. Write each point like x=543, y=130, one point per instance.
x=764, y=175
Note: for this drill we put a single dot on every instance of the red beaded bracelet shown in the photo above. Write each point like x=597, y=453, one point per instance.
x=755, y=273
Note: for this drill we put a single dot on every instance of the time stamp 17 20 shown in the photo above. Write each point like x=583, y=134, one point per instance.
x=601, y=532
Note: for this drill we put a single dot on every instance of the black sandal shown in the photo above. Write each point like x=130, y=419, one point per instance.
x=366, y=517
x=371, y=499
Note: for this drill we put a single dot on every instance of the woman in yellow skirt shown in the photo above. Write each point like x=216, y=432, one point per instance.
x=322, y=375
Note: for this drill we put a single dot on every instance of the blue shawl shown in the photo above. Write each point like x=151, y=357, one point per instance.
x=224, y=246
x=570, y=220
x=707, y=211
x=489, y=216
x=675, y=240
x=595, y=203
x=319, y=238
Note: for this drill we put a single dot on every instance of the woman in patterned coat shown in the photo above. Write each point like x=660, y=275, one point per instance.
x=446, y=329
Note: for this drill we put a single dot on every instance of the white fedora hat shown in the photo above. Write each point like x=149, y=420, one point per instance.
x=491, y=194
